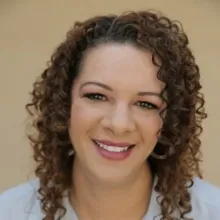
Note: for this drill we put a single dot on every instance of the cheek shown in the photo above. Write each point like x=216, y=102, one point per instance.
x=79, y=113
x=149, y=126
x=83, y=117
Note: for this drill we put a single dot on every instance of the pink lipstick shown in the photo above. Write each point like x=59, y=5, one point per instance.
x=114, y=150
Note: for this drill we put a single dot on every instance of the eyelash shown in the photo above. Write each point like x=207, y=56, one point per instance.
x=95, y=96
x=147, y=105
x=100, y=97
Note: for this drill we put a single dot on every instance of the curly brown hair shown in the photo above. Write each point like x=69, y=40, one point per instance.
x=51, y=102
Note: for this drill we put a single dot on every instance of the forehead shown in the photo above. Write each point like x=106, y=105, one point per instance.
x=121, y=65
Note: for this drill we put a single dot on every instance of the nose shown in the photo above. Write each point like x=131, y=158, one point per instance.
x=119, y=120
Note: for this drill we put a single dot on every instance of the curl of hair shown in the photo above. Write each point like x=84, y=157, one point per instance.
x=51, y=101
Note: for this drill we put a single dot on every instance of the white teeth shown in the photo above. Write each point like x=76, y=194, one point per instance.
x=112, y=148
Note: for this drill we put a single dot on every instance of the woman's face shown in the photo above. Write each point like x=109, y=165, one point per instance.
x=115, y=111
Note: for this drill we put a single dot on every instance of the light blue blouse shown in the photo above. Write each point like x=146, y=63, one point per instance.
x=21, y=203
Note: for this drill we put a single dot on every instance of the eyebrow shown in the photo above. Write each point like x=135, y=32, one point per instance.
x=104, y=86
x=96, y=84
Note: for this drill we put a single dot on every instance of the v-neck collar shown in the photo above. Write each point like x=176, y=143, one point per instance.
x=153, y=208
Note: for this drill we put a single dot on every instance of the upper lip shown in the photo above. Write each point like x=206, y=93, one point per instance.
x=115, y=144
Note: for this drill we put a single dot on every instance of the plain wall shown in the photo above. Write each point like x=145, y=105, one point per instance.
x=29, y=32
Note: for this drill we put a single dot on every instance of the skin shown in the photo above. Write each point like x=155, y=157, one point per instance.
x=126, y=109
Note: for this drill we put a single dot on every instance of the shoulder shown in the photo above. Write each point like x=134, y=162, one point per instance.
x=206, y=191
x=205, y=199
x=20, y=202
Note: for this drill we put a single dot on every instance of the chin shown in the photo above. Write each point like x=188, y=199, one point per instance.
x=113, y=174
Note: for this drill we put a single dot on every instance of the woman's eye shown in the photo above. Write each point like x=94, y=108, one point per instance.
x=147, y=105
x=95, y=96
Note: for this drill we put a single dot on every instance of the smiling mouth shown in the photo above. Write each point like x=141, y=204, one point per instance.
x=113, y=149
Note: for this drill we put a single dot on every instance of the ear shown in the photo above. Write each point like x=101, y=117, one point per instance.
x=159, y=134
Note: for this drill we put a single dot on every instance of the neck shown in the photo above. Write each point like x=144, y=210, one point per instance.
x=94, y=199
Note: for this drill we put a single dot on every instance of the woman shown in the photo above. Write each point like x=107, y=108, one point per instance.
x=117, y=116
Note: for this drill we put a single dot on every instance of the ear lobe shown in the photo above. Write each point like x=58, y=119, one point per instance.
x=159, y=134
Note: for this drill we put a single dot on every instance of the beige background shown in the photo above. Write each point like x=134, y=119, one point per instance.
x=30, y=30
